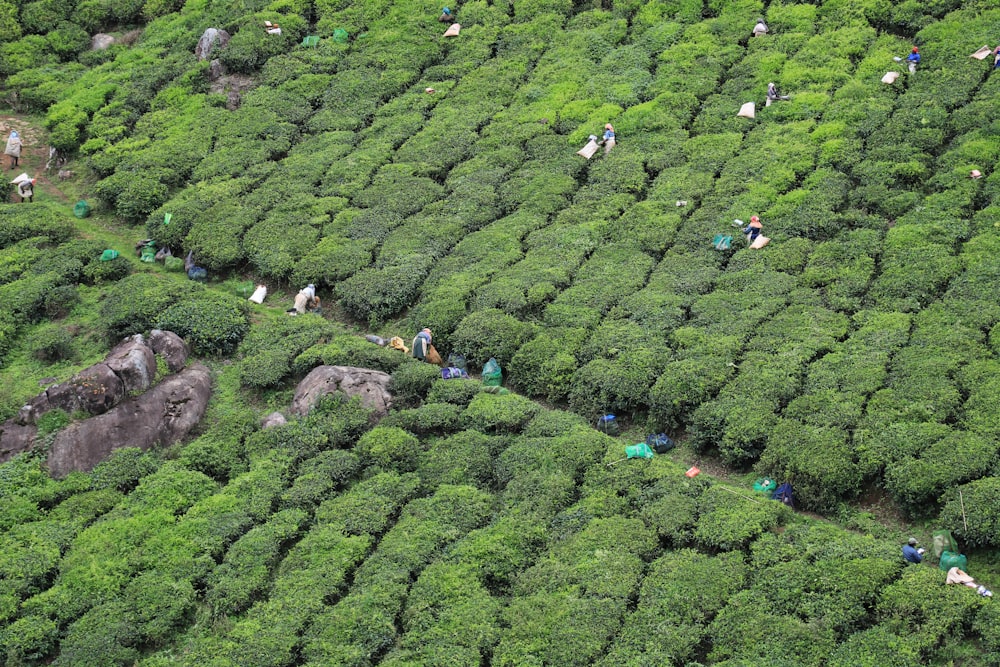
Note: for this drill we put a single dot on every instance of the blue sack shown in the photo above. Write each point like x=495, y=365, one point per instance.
x=660, y=443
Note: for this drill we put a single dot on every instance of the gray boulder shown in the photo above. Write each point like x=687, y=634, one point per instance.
x=273, y=419
x=101, y=41
x=215, y=70
x=93, y=390
x=171, y=347
x=15, y=438
x=133, y=361
x=372, y=386
x=163, y=415
x=210, y=40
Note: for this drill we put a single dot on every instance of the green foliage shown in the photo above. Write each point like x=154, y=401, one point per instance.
x=490, y=333
x=389, y=447
x=123, y=470
x=411, y=381
x=211, y=323
x=498, y=413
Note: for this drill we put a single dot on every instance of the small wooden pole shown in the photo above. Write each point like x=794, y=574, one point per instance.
x=962, y=501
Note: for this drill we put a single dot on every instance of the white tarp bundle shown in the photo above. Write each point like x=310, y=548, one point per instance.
x=452, y=30
x=747, y=110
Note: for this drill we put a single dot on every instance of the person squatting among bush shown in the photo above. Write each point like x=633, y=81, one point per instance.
x=760, y=28
x=753, y=229
x=773, y=95
x=911, y=554
x=609, y=138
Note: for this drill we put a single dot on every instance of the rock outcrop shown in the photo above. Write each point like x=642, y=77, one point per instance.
x=129, y=368
x=370, y=385
x=101, y=41
x=171, y=347
x=273, y=419
x=164, y=414
x=211, y=40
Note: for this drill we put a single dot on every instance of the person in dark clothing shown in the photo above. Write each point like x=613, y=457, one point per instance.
x=446, y=16
x=753, y=229
x=773, y=95
x=911, y=554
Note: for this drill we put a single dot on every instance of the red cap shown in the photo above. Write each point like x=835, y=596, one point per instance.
x=754, y=218
x=915, y=49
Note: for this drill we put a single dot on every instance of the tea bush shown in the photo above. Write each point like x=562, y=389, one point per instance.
x=211, y=323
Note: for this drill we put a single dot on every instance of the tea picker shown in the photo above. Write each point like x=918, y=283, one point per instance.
x=911, y=60
x=760, y=28
x=773, y=95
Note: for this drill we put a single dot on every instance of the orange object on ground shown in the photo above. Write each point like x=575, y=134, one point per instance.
x=693, y=471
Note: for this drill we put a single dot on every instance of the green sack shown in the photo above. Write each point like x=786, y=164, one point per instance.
x=943, y=541
x=148, y=254
x=82, y=209
x=639, y=451
x=109, y=255
x=340, y=36
x=492, y=375
x=765, y=486
x=950, y=559
x=722, y=242
x=310, y=40
x=173, y=264
x=167, y=217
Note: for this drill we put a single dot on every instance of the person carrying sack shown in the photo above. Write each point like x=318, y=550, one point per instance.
x=13, y=148
x=25, y=189
x=446, y=16
x=760, y=28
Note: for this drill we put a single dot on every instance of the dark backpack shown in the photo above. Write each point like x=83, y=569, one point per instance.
x=784, y=494
x=660, y=443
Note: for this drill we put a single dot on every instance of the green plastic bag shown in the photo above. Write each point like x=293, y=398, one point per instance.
x=492, y=375
x=81, y=209
x=340, y=36
x=310, y=40
x=148, y=254
x=639, y=451
x=167, y=217
x=109, y=255
x=173, y=264
x=765, y=486
x=943, y=541
x=950, y=559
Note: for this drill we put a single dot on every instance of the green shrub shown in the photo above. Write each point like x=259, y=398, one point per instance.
x=52, y=344
x=491, y=333
x=458, y=392
x=411, y=382
x=389, y=447
x=123, y=470
x=979, y=504
x=212, y=323
x=321, y=476
x=918, y=484
x=727, y=521
x=98, y=273
x=503, y=413
x=430, y=418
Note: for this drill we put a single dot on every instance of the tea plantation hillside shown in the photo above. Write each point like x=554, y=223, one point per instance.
x=429, y=181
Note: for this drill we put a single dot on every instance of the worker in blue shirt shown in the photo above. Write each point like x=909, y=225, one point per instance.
x=911, y=554
x=913, y=59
